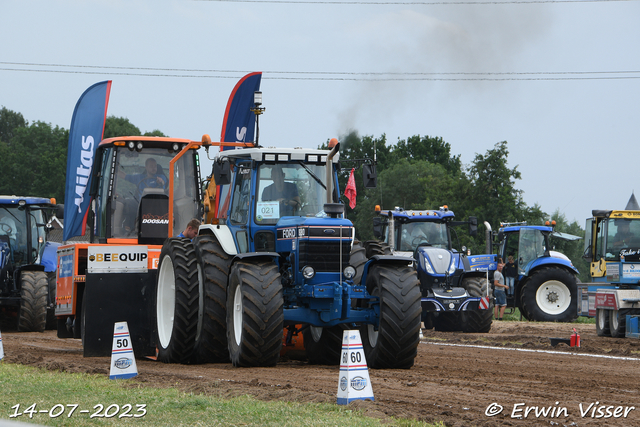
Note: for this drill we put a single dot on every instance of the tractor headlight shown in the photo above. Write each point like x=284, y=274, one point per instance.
x=452, y=268
x=131, y=145
x=139, y=146
x=426, y=265
x=349, y=272
x=175, y=147
x=308, y=272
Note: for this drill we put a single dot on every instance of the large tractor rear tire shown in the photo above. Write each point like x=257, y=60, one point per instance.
x=34, y=291
x=550, y=295
x=177, y=302
x=357, y=259
x=375, y=247
x=618, y=322
x=478, y=321
x=213, y=271
x=255, y=313
x=394, y=345
x=602, y=323
x=324, y=345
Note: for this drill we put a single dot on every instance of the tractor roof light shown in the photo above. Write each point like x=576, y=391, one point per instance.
x=131, y=145
x=139, y=146
x=308, y=272
x=377, y=208
x=175, y=147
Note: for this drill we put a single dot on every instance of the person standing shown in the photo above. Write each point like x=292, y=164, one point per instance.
x=510, y=274
x=499, y=292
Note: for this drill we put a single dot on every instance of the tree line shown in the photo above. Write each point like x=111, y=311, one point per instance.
x=417, y=173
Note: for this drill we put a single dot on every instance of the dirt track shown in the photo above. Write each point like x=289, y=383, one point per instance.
x=456, y=378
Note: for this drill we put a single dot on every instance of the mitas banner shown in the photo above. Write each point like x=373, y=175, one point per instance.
x=85, y=133
x=238, y=124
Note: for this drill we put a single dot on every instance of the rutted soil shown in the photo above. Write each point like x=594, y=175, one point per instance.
x=457, y=378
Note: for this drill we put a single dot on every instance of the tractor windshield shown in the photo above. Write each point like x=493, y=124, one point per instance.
x=24, y=238
x=411, y=234
x=621, y=234
x=531, y=247
x=146, y=173
x=290, y=189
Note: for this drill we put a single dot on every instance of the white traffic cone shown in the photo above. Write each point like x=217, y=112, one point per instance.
x=123, y=362
x=1, y=348
x=354, y=382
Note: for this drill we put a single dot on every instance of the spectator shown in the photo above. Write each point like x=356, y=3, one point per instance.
x=510, y=274
x=499, y=292
x=191, y=231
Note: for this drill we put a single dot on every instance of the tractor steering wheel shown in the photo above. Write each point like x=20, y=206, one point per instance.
x=6, y=228
x=148, y=183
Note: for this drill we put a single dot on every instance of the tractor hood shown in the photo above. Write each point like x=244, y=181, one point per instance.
x=436, y=260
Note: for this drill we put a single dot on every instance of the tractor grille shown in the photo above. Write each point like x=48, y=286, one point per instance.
x=324, y=256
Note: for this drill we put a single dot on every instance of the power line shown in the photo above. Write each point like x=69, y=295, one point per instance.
x=412, y=3
x=331, y=75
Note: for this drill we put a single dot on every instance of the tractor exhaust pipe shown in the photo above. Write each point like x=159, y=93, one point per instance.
x=487, y=236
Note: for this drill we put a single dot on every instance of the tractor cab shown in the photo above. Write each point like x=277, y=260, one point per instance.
x=131, y=192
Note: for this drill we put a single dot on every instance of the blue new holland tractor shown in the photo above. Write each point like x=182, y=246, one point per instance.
x=546, y=283
x=276, y=252
x=27, y=263
x=456, y=295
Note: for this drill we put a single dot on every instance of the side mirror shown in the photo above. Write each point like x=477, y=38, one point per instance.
x=60, y=211
x=473, y=226
x=377, y=227
x=369, y=176
x=500, y=236
x=222, y=172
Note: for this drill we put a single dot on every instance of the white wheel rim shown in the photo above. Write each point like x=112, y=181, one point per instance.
x=601, y=319
x=613, y=320
x=237, y=315
x=553, y=297
x=316, y=332
x=166, y=304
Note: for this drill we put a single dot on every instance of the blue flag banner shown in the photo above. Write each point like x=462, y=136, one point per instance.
x=239, y=121
x=85, y=133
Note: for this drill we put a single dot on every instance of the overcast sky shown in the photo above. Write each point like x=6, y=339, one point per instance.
x=559, y=80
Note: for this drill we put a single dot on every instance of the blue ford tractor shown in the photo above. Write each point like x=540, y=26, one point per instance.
x=546, y=285
x=453, y=283
x=27, y=263
x=276, y=252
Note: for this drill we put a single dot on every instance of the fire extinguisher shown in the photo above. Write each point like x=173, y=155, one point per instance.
x=575, y=339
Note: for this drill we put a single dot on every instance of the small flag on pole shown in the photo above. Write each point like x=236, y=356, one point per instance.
x=350, y=191
x=123, y=361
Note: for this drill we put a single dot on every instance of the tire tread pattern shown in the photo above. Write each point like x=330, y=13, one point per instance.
x=263, y=313
x=182, y=343
x=34, y=292
x=400, y=316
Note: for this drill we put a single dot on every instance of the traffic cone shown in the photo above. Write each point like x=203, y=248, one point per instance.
x=1, y=348
x=354, y=382
x=123, y=362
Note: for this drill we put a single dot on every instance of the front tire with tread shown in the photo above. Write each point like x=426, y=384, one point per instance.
x=477, y=321
x=255, y=313
x=34, y=291
x=177, y=301
x=550, y=295
x=395, y=344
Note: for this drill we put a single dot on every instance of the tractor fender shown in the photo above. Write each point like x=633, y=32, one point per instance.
x=547, y=261
x=243, y=256
x=223, y=234
x=384, y=259
x=50, y=257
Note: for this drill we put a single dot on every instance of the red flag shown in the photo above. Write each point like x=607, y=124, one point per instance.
x=350, y=191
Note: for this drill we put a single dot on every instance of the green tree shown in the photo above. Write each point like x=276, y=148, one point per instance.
x=9, y=122
x=34, y=162
x=432, y=150
x=119, y=126
x=573, y=250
